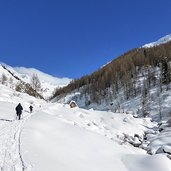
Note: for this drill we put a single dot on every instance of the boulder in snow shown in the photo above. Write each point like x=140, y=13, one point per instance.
x=167, y=149
x=73, y=104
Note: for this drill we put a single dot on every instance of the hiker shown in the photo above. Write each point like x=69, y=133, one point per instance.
x=31, y=108
x=19, y=109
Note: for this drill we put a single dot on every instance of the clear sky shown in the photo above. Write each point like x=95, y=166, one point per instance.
x=72, y=38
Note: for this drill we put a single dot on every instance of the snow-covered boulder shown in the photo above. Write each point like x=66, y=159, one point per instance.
x=73, y=104
x=167, y=149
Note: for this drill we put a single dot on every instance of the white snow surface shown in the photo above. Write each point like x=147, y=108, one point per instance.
x=26, y=73
x=162, y=40
x=48, y=82
x=56, y=137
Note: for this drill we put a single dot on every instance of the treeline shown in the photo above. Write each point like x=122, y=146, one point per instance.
x=123, y=73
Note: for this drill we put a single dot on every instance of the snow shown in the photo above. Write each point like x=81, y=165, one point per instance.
x=48, y=82
x=167, y=149
x=26, y=73
x=147, y=163
x=132, y=106
x=68, y=147
x=7, y=74
x=160, y=142
x=56, y=137
x=105, y=64
x=162, y=40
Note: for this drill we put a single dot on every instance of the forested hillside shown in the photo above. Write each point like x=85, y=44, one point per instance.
x=134, y=73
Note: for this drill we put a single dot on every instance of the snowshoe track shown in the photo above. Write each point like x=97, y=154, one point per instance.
x=10, y=143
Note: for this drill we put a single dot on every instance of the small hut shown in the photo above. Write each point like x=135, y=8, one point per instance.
x=73, y=104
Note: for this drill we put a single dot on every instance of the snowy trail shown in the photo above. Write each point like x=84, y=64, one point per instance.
x=10, y=155
x=56, y=137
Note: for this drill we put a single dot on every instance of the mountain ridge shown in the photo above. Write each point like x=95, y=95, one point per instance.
x=24, y=75
x=160, y=41
x=115, y=86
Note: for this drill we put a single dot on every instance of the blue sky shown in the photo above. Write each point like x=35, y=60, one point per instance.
x=75, y=37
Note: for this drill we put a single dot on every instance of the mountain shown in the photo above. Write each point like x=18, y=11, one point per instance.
x=136, y=82
x=48, y=82
x=23, y=75
x=162, y=40
x=56, y=137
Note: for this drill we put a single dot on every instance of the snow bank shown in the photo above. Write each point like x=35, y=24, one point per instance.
x=56, y=137
x=115, y=126
x=160, y=142
x=10, y=98
x=52, y=144
x=60, y=138
x=147, y=163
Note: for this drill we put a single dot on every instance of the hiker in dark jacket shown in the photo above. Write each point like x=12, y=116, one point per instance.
x=19, y=109
x=31, y=108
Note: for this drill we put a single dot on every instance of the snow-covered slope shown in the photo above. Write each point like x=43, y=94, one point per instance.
x=56, y=137
x=162, y=40
x=48, y=82
x=26, y=73
x=7, y=74
x=158, y=101
x=56, y=143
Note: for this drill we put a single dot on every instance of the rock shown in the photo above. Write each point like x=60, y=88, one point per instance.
x=167, y=149
x=73, y=104
x=160, y=150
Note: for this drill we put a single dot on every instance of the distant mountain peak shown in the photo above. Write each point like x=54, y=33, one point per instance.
x=162, y=40
x=21, y=74
x=48, y=82
x=25, y=72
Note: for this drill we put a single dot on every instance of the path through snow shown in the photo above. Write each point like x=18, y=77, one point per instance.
x=10, y=154
x=56, y=137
